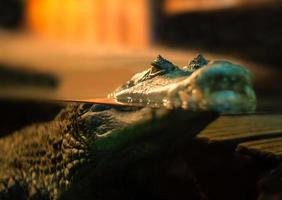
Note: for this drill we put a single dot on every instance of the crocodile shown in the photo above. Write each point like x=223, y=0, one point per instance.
x=87, y=145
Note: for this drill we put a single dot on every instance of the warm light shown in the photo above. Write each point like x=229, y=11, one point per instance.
x=101, y=22
x=176, y=6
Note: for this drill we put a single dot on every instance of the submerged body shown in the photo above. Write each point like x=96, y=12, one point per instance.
x=203, y=85
x=82, y=153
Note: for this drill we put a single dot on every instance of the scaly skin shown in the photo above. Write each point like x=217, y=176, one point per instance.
x=202, y=85
x=85, y=146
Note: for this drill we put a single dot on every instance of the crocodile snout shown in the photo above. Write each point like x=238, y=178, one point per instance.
x=224, y=87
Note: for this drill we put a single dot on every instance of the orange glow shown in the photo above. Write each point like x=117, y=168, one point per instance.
x=101, y=22
x=138, y=28
x=176, y=6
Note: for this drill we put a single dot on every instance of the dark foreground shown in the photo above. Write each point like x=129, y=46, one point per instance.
x=234, y=157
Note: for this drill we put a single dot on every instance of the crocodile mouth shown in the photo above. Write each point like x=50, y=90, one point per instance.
x=224, y=88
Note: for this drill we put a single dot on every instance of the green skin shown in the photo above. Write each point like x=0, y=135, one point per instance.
x=81, y=153
x=202, y=85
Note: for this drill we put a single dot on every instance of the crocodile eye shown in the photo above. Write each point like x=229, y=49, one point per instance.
x=84, y=107
x=163, y=64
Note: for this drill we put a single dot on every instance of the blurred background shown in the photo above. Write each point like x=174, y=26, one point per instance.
x=86, y=48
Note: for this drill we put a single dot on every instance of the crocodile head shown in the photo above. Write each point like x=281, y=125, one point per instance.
x=202, y=85
x=119, y=141
x=105, y=147
x=119, y=135
x=114, y=138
